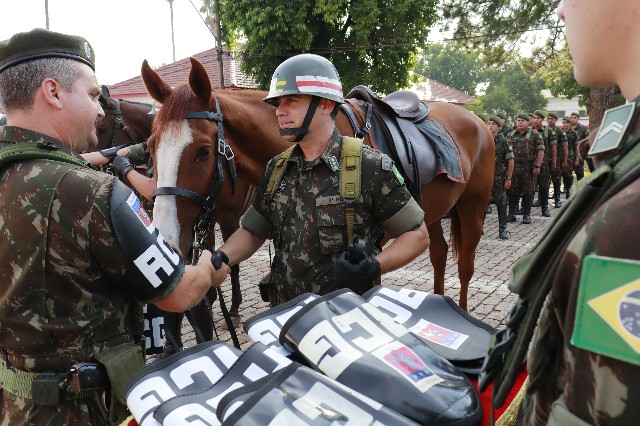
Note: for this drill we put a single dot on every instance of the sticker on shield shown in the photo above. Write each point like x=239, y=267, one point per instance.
x=408, y=364
x=139, y=210
x=437, y=334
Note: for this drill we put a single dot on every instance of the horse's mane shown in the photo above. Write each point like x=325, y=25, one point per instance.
x=175, y=108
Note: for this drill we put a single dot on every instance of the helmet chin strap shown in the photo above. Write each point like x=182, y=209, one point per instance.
x=301, y=131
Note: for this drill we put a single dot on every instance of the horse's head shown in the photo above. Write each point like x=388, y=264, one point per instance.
x=123, y=123
x=184, y=147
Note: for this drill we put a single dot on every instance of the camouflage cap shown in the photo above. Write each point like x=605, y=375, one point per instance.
x=523, y=115
x=502, y=115
x=576, y=114
x=530, y=115
x=39, y=43
x=567, y=118
x=540, y=113
x=552, y=115
x=495, y=119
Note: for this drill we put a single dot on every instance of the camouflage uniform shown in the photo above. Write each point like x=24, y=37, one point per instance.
x=504, y=151
x=567, y=174
x=550, y=138
x=62, y=269
x=525, y=148
x=556, y=175
x=568, y=384
x=581, y=133
x=305, y=217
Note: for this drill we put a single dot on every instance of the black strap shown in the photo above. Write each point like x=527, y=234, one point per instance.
x=181, y=192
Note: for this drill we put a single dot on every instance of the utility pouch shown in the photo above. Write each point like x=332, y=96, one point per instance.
x=46, y=389
x=121, y=363
x=266, y=287
x=87, y=376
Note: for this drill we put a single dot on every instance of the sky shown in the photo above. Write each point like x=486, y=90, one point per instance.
x=123, y=33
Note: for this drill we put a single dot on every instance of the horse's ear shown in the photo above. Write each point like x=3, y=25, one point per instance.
x=199, y=81
x=156, y=86
x=105, y=92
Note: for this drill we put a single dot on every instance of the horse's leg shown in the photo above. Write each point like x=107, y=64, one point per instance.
x=438, y=249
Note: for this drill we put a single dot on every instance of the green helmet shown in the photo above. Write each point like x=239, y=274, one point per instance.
x=306, y=74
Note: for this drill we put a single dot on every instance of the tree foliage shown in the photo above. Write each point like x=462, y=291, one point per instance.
x=370, y=42
x=513, y=91
x=452, y=66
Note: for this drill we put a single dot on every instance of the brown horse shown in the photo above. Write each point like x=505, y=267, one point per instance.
x=185, y=149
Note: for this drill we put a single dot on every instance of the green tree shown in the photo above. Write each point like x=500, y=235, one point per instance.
x=370, y=42
x=512, y=90
x=452, y=66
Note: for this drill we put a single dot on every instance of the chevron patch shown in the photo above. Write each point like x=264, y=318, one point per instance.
x=613, y=128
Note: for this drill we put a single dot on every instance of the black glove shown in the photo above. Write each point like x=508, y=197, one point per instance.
x=121, y=166
x=356, y=276
x=219, y=257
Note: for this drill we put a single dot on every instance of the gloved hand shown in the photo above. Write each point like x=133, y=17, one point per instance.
x=121, y=166
x=358, y=275
x=219, y=257
x=111, y=153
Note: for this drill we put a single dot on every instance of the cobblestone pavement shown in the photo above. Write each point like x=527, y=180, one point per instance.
x=489, y=297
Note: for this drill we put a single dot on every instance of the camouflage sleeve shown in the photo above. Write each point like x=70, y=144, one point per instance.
x=562, y=138
x=392, y=204
x=538, y=139
x=138, y=153
x=553, y=138
x=255, y=218
x=508, y=149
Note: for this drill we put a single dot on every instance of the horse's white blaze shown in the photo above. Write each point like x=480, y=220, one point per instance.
x=170, y=147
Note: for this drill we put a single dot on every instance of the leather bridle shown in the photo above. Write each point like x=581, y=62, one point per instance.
x=119, y=123
x=205, y=222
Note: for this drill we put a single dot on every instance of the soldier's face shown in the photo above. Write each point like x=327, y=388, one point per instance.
x=83, y=110
x=493, y=127
x=574, y=119
x=290, y=111
x=600, y=35
x=521, y=123
x=552, y=121
x=566, y=125
x=537, y=121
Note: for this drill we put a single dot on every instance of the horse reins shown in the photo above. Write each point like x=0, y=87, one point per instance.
x=205, y=222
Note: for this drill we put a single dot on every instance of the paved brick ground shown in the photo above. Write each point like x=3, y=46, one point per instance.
x=489, y=297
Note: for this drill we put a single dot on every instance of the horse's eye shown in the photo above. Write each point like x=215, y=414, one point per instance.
x=203, y=153
x=102, y=130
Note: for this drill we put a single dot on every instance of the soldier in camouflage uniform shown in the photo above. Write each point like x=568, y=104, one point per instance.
x=573, y=158
x=550, y=139
x=560, y=162
x=528, y=150
x=304, y=215
x=79, y=254
x=583, y=363
x=502, y=175
x=583, y=133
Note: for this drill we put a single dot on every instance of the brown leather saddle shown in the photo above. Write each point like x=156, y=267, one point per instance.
x=398, y=125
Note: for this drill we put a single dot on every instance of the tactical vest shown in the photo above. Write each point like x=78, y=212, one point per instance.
x=532, y=276
x=527, y=137
x=350, y=177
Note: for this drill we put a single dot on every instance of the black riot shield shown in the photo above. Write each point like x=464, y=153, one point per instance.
x=450, y=331
x=353, y=342
x=297, y=396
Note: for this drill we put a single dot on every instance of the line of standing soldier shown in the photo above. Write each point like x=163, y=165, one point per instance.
x=531, y=155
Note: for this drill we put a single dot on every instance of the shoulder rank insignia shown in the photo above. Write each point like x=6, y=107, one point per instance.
x=608, y=308
x=613, y=128
x=387, y=164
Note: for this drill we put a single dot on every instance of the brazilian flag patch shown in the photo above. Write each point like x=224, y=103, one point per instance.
x=397, y=174
x=608, y=310
x=280, y=84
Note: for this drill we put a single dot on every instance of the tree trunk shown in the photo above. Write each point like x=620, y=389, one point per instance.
x=601, y=100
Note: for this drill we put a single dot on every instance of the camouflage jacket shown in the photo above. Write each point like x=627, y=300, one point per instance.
x=504, y=151
x=581, y=131
x=62, y=293
x=572, y=144
x=550, y=138
x=561, y=143
x=305, y=216
x=525, y=147
x=568, y=382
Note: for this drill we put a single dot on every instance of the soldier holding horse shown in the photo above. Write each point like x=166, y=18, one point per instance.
x=187, y=148
x=299, y=206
